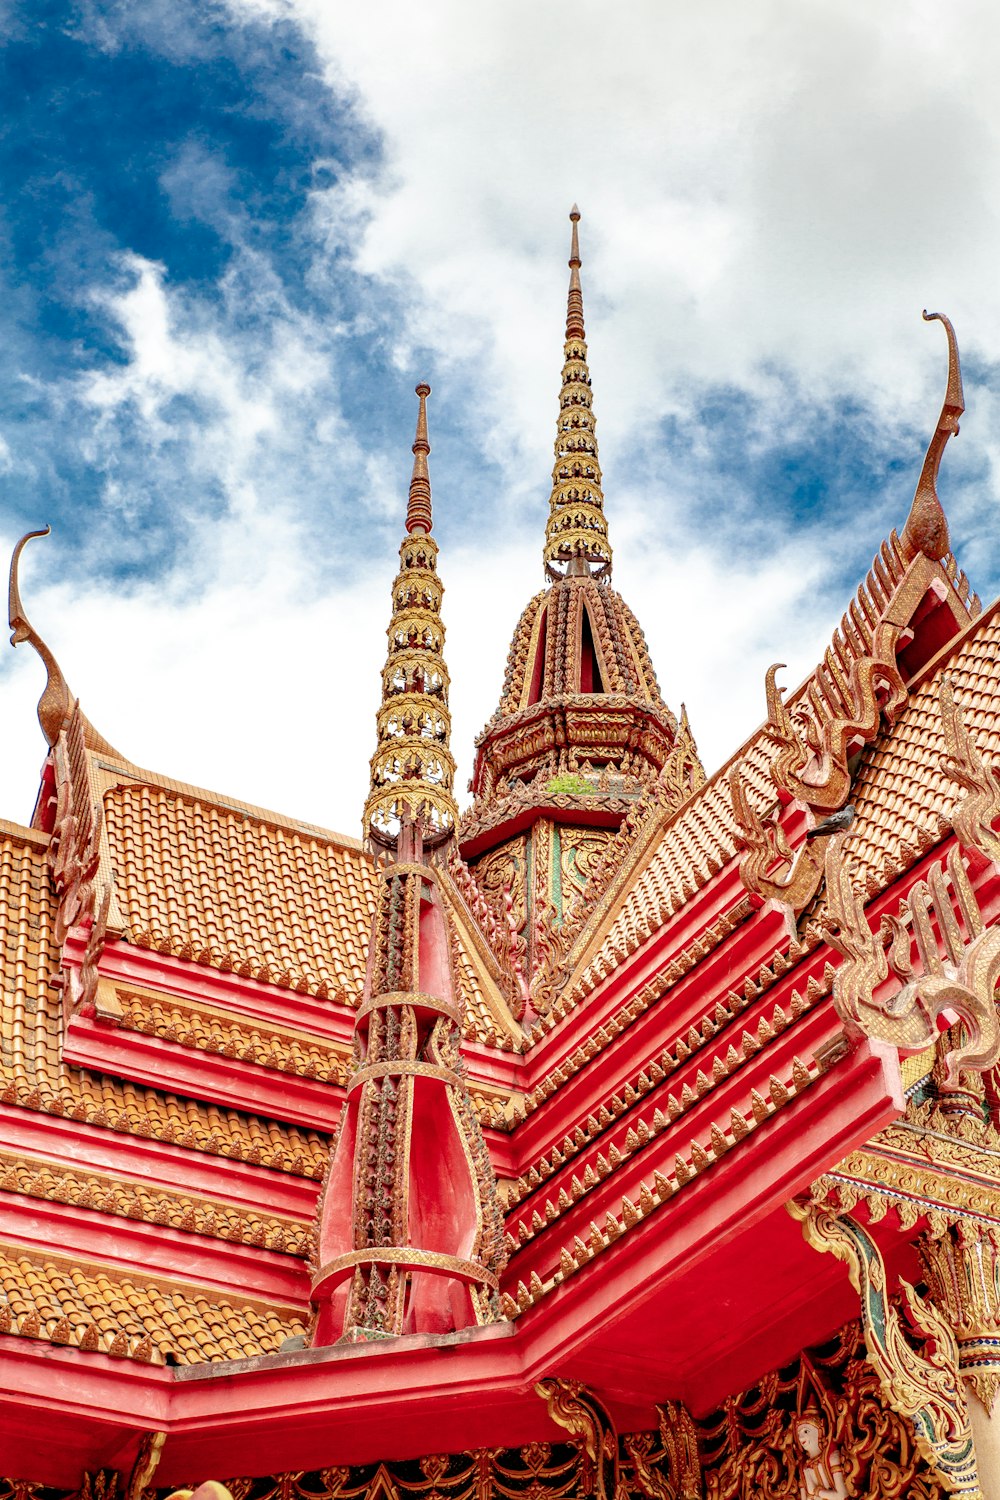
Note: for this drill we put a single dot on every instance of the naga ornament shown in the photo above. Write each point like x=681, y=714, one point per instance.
x=963, y=979
x=926, y=1387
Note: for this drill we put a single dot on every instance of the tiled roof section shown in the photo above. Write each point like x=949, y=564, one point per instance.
x=246, y=892
x=217, y=885
x=102, y=1311
x=32, y=1072
x=697, y=842
x=102, y=1193
x=902, y=796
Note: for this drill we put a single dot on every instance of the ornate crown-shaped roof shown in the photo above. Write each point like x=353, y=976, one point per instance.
x=580, y=696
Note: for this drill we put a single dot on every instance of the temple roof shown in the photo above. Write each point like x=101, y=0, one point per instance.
x=580, y=696
x=105, y=1312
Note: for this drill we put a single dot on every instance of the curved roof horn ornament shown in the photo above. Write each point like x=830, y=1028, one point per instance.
x=56, y=703
x=926, y=528
x=55, y=706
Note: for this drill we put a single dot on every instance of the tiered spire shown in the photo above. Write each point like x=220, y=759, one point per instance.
x=412, y=770
x=576, y=536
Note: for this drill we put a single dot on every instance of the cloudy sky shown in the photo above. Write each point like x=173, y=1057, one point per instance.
x=233, y=236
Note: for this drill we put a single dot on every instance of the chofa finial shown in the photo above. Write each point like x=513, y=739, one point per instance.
x=926, y=528
x=56, y=703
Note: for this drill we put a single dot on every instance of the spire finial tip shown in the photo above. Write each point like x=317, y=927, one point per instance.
x=574, y=214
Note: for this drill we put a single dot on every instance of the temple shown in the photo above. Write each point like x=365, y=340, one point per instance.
x=632, y=1133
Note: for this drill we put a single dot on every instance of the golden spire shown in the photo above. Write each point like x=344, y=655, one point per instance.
x=412, y=770
x=55, y=706
x=926, y=528
x=576, y=536
x=418, y=509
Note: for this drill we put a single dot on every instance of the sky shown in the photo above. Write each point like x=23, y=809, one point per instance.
x=234, y=235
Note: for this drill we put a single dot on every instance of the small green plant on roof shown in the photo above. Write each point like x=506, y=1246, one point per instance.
x=569, y=785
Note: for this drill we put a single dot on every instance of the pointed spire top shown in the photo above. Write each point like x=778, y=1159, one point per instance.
x=418, y=510
x=411, y=804
x=574, y=307
x=926, y=528
x=576, y=537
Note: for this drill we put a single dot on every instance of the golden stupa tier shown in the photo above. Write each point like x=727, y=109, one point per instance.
x=412, y=770
x=580, y=697
x=576, y=526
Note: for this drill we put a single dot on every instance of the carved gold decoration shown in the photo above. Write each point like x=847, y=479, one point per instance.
x=925, y=1388
x=978, y=810
x=769, y=869
x=842, y=708
x=675, y=1473
x=926, y=528
x=962, y=1268
x=497, y=931
x=584, y=1415
x=500, y=877
x=413, y=770
x=581, y=855
x=145, y=1466
x=610, y=866
x=964, y=980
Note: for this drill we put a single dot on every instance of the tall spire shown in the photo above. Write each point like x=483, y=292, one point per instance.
x=412, y=770
x=576, y=536
x=418, y=509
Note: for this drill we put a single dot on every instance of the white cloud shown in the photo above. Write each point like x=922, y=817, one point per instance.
x=770, y=194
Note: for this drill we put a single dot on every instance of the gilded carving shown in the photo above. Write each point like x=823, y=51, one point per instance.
x=924, y=1387
x=962, y=1268
x=926, y=528
x=769, y=868
x=843, y=707
x=964, y=980
x=585, y=1416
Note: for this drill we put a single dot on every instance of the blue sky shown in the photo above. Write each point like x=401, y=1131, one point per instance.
x=234, y=236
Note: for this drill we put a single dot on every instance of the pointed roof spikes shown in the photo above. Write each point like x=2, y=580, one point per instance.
x=412, y=770
x=926, y=528
x=576, y=536
x=55, y=706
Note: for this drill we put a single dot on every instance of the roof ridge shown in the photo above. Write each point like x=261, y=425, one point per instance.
x=138, y=776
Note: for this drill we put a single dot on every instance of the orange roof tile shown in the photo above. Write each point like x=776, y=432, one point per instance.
x=95, y=1308
x=32, y=1072
x=216, y=884
x=902, y=796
